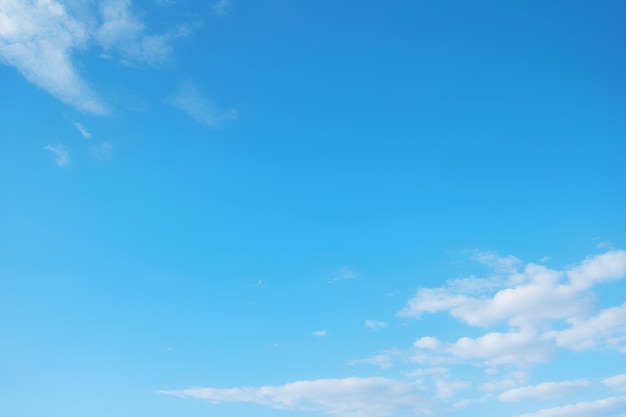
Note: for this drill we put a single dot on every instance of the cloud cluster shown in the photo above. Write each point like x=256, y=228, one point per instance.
x=542, y=308
x=519, y=315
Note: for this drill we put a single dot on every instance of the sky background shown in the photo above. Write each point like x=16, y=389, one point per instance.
x=309, y=208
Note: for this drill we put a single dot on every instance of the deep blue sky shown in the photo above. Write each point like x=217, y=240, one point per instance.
x=251, y=194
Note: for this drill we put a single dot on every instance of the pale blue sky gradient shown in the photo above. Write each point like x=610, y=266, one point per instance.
x=400, y=208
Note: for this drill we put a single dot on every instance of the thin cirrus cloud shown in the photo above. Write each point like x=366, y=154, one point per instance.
x=351, y=397
x=83, y=131
x=102, y=151
x=600, y=408
x=122, y=30
x=543, y=391
x=61, y=155
x=344, y=273
x=220, y=8
x=374, y=324
x=40, y=39
x=189, y=99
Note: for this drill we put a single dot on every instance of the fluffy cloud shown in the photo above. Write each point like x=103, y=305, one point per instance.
x=532, y=297
x=40, y=37
x=515, y=348
x=617, y=381
x=607, y=267
x=353, y=397
x=606, y=329
x=531, y=300
x=543, y=391
x=541, y=298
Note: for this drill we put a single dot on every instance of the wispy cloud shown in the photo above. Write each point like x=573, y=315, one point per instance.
x=83, y=131
x=320, y=333
x=102, y=151
x=344, y=274
x=543, y=391
x=353, y=397
x=61, y=154
x=122, y=30
x=220, y=7
x=189, y=99
x=374, y=324
x=604, y=407
x=384, y=360
x=40, y=38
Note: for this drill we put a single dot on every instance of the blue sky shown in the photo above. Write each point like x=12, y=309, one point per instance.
x=309, y=208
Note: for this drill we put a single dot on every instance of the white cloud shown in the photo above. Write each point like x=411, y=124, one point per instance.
x=607, y=407
x=61, y=153
x=83, y=131
x=606, y=329
x=533, y=297
x=190, y=100
x=617, y=381
x=543, y=391
x=520, y=349
x=602, y=268
x=102, y=151
x=428, y=342
x=40, y=38
x=374, y=324
x=351, y=397
x=320, y=333
x=220, y=7
x=533, y=301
